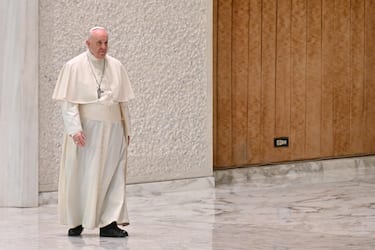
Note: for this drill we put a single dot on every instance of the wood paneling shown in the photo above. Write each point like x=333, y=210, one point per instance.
x=298, y=74
x=313, y=78
x=283, y=75
x=341, y=83
x=370, y=75
x=357, y=104
x=240, y=62
x=297, y=68
x=328, y=62
x=268, y=78
x=254, y=102
x=223, y=131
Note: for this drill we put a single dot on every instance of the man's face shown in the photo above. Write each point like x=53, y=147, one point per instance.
x=98, y=43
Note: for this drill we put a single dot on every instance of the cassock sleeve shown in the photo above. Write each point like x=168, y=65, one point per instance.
x=126, y=115
x=72, y=120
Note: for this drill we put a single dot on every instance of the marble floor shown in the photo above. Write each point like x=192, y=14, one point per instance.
x=334, y=210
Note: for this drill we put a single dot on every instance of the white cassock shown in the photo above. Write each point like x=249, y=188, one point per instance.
x=92, y=182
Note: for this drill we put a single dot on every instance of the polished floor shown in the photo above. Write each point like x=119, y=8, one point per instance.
x=334, y=210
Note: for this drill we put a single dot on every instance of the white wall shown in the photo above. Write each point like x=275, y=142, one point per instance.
x=166, y=46
x=19, y=103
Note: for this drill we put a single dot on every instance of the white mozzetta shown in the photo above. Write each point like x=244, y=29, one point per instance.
x=19, y=103
x=166, y=48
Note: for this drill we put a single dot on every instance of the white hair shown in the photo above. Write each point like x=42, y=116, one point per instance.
x=95, y=28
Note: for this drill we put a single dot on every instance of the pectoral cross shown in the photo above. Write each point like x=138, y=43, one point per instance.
x=100, y=91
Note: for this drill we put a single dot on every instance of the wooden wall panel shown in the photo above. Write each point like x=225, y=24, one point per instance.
x=240, y=62
x=328, y=61
x=298, y=86
x=297, y=68
x=223, y=155
x=370, y=75
x=341, y=83
x=313, y=78
x=254, y=106
x=268, y=78
x=357, y=105
x=283, y=75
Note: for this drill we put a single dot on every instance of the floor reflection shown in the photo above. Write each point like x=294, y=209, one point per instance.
x=309, y=212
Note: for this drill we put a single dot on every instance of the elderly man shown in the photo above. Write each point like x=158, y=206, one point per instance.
x=94, y=90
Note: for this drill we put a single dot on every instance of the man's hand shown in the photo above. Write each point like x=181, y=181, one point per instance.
x=79, y=139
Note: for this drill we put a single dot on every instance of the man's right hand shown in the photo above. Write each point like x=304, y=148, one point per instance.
x=79, y=139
